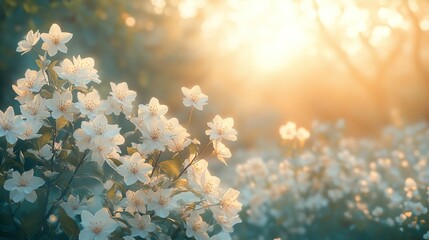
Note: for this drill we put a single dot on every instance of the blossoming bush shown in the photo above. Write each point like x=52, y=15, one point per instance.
x=76, y=165
x=339, y=188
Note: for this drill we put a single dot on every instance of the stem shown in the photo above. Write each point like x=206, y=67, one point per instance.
x=190, y=117
x=192, y=161
x=82, y=160
x=12, y=213
x=207, y=206
x=155, y=164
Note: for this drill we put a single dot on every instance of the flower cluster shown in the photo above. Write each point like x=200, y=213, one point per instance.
x=93, y=180
x=362, y=184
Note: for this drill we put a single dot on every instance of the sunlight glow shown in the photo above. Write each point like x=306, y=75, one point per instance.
x=268, y=33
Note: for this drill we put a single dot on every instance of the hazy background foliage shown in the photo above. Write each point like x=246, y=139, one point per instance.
x=364, y=61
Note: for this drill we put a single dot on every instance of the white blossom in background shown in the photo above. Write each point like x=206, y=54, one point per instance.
x=23, y=186
x=11, y=126
x=222, y=129
x=98, y=226
x=61, y=104
x=27, y=44
x=55, y=40
x=288, y=131
x=194, y=97
x=134, y=169
x=302, y=134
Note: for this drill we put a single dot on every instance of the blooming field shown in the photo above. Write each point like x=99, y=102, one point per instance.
x=339, y=188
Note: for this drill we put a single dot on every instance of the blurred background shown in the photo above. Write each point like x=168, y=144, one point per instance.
x=261, y=62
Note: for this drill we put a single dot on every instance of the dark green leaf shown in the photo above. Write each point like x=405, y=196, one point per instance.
x=69, y=226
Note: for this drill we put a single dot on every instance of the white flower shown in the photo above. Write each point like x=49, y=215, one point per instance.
x=221, y=236
x=194, y=97
x=11, y=126
x=153, y=110
x=100, y=127
x=302, y=134
x=24, y=95
x=32, y=126
x=61, y=104
x=35, y=108
x=82, y=139
x=155, y=135
x=23, y=186
x=229, y=204
x=196, y=227
x=135, y=201
x=90, y=104
x=55, y=40
x=209, y=185
x=134, y=169
x=33, y=81
x=80, y=72
x=141, y=225
x=102, y=148
x=426, y=235
x=27, y=44
x=226, y=222
x=222, y=129
x=288, y=131
x=161, y=202
x=44, y=153
x=73, y=206
x=121, y=99
x=221, y=151
x=98, y=226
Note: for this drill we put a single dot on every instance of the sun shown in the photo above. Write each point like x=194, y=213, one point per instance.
x=267, y=33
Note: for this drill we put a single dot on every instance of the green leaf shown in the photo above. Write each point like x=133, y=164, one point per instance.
x=171, y=167
x=60, y=123
x=46, y=94
x=39, y=63
x=181, y=182
x=193, y=149
x=131, y=150
x=112, y=192
x=21, y=158
x=69, y=226
x=44, y=139
x=116, y=162
x=30, y=8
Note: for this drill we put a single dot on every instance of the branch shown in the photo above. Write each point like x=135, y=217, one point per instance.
x=417, y=40
x=344, y=57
